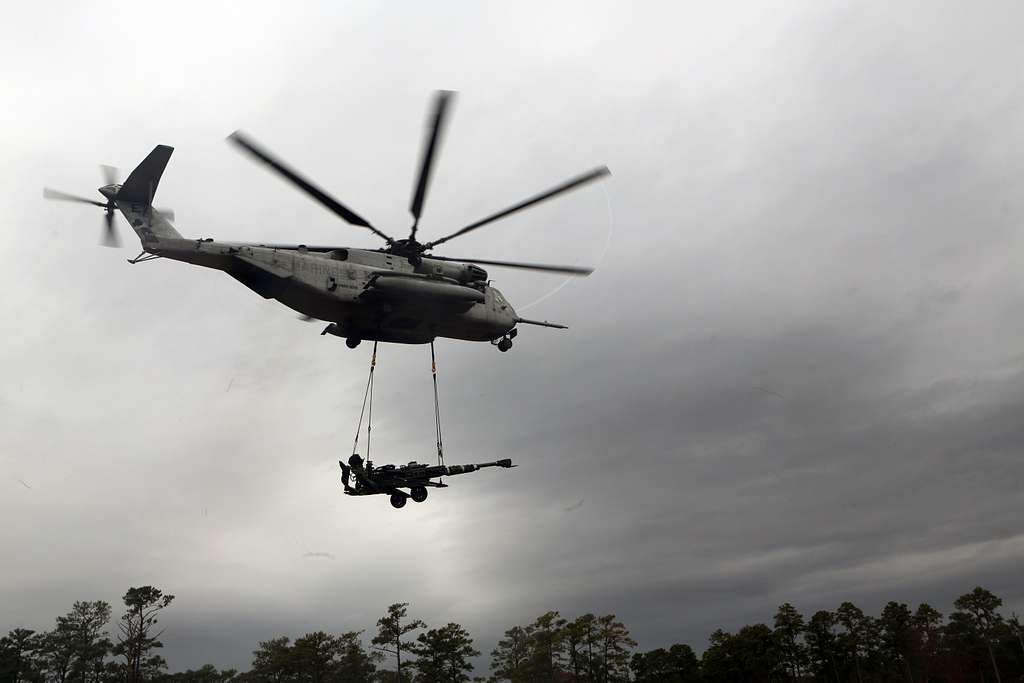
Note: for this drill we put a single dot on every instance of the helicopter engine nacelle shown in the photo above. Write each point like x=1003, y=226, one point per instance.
x=460, y=272
x=475, y=273
x=438, y=290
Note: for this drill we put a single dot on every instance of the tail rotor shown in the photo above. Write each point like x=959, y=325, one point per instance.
x=108, y=237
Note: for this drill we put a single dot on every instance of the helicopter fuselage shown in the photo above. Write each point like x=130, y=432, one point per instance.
x=362, y=293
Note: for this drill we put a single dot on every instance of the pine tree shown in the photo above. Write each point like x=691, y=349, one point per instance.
x=17, y=655
x=616, y=645
x=855, y=640
x=510, y=658
x=391, y=630
x=822, y=645
x=789, y=626
x=443, y=655
x=136, y=639
x=897, y=634
x=981, y=607
x=546, y=635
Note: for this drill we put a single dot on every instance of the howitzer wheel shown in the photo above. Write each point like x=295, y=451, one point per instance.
x=397, y=500
x=418, y=493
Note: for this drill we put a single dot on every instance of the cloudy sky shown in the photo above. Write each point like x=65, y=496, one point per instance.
x=796, y=374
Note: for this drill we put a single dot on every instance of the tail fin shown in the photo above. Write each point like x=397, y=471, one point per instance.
x=141, y=184
x=135, y=198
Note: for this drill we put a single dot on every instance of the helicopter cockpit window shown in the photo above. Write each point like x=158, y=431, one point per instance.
x=340, y=254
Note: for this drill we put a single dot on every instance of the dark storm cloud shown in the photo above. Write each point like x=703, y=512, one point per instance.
x=795, y=375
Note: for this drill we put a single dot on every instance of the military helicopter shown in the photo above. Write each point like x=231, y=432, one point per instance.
x=400, y=293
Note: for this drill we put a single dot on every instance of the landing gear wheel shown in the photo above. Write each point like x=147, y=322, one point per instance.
x=505, y=344
x=419, y=493
x=397, y=500
x=352, y=342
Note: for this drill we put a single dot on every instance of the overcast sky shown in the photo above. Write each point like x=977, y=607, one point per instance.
x=796, y=374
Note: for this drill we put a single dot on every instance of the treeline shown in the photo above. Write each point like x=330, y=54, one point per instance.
x=974, y=643
x=79, y=647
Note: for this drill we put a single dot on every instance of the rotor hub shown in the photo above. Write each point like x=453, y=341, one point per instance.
x=110, y=191
x=408, y=248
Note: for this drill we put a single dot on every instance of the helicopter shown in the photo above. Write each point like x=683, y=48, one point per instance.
x=400, y=293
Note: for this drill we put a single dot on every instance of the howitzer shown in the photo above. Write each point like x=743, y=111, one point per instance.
x=367, y=480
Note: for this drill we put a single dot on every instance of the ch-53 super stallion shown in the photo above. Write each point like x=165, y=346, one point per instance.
x=400, y=293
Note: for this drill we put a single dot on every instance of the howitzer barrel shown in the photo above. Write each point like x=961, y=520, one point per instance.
x=464, y=469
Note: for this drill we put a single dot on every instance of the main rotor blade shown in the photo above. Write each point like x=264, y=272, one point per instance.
x=65, y=197
x=568, y=270
x=332, y=204
x=430, y=146
x=109, y=174
x=536, y=199
x=110, y=238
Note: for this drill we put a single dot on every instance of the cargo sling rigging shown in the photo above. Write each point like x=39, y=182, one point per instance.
x=367, y=409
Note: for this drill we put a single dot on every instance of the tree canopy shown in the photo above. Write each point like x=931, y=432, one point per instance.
x=976, y=642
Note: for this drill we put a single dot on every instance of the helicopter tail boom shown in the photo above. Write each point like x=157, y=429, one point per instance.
x=135, y=198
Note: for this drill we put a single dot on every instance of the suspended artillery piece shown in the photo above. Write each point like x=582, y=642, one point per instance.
x=391, y=479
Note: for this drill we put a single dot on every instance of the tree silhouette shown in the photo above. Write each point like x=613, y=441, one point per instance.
x=789, y=626
x=678, y=664
x=981, y=608
x=897, y=634
x=510, y=657
x=822, y=645
x=391, y=630
x=856, y=639
x=17, y=649
x=136, y=639
x=443, y=655
x=546, y=634
x=927, y=624
x=616, y=645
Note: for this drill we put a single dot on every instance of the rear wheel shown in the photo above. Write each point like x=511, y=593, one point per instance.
x=352, y=342
x=397, y=500
x=419, y=493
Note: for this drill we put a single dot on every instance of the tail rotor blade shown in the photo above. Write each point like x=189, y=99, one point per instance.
x=110, y=238
x=49, y=193
x=110, y=174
